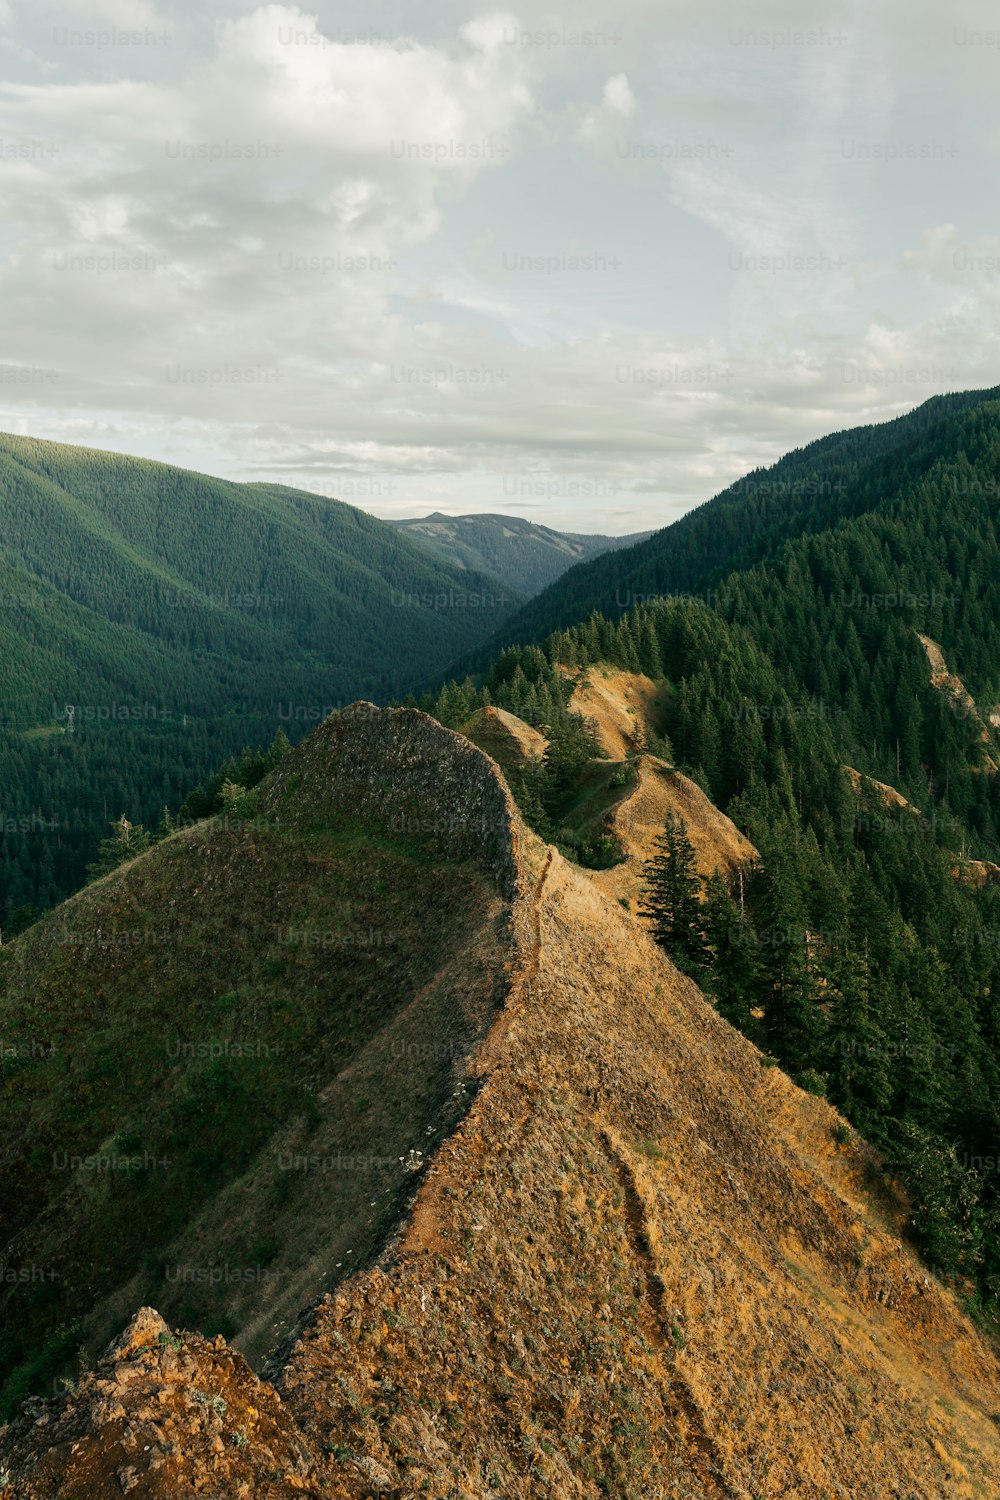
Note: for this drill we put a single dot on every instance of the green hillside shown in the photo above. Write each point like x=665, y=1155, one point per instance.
x=182, y=617
x=523, y=555
x=810, y=489
x=866, y=959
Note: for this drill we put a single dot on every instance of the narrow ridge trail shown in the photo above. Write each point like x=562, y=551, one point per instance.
x=656, y=1323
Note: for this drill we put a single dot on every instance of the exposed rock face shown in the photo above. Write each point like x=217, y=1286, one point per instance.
x=161, y=1417
x=642, y=1266
x=146, y=1328
x=977, y=872
x=400, y=766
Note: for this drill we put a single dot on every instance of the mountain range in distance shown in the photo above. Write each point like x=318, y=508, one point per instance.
x=525, y=556
x=186, y=617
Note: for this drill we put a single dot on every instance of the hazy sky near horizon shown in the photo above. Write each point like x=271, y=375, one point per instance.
x=584, y=265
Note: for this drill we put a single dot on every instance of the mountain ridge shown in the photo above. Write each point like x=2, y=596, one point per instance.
x=807, y=489
x=182, y=618
x=524, y=555
x=635, y=1255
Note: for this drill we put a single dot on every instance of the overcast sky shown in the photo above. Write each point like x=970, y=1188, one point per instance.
x=585, y=266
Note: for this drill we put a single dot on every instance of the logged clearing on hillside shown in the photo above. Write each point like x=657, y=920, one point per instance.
x=642, y=1265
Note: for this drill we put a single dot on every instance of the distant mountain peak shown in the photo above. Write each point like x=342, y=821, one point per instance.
x=521, y=554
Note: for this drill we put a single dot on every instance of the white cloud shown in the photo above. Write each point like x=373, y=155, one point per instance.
x=128, y=14
x=267, y=249
x=618, y=95
x=606, y=122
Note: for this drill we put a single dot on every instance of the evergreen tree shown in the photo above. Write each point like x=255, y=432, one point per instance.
x=570, y=750
x=670, y=898
x=793, y=1020
x=126, y=841
x=857, y=1061
x=732, y=978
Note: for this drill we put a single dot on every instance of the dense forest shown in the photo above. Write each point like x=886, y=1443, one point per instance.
x=813, y=489
x=180, y=618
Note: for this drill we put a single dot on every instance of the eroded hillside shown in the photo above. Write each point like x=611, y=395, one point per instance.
x=643, y=1264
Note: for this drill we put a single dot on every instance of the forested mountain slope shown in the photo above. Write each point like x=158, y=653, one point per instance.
x=847, y=474
x=857, y=955
x=905, y=552
x=522, y=554
x=182, y=617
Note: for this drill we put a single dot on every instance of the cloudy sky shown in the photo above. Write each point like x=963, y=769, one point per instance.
x=582, y=265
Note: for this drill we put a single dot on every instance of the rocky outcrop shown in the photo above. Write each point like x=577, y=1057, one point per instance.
x=398, y=766
x=161, y=1416
x=961, y=699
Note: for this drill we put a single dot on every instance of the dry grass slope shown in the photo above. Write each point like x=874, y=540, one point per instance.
x=637, y=820
x=620, y=705
x=888, y=795
x=505, y=738
x=651, y=1272
x=641, y=1267
x=962, y=700
x=269, y=1015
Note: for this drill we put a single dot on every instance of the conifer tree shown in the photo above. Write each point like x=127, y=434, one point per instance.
x=732, y=978
x=125, y=842
x=670, y=898
x=793, y=1019
x=858, y=1056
